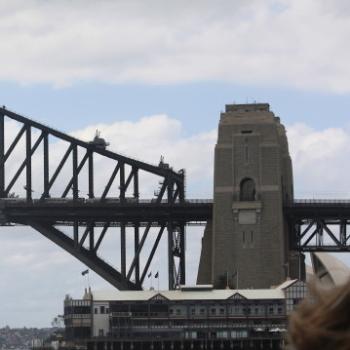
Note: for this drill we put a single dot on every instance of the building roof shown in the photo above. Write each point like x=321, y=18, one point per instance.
x=286, y=284
x=329, y=269
x=214, y=294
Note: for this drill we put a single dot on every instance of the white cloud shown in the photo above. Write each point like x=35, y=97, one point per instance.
x=152, y=137
x=301, y=43
x=320, y=161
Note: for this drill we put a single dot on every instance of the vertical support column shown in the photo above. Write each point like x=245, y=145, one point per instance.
x=91, y=175
x=28, y=163
x=46, y=165
x=123, y=250
x=136, y=248
x=76, y=233
x=136, y=183
x=319, y=233
x=181, y=186
x=122, y=181
x=75, y=172
x=171, y=265
x=2, y=155
x=343, y=232
x=182, y=267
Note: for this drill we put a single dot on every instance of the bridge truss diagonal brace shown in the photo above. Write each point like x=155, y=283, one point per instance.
x=89, y=258
x=317, y=235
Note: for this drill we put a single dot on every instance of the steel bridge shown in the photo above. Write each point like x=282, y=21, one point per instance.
x=51, y=205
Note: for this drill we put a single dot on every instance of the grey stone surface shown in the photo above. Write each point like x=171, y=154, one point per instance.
x=247, y=242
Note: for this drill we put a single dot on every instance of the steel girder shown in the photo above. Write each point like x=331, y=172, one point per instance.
x=87, y=256
x=37, y=210
x=69, y=210
x=320, y=234
x=319, y=225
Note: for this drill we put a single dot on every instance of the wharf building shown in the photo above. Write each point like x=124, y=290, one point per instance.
x=188, y=318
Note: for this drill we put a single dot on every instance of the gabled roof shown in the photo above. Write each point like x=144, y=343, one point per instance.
x=237, y=296
x=158, y=296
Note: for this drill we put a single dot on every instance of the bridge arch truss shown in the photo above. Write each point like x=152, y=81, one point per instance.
x=68, y=194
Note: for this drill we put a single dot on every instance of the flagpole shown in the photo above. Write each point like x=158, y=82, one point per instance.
x=86, y=272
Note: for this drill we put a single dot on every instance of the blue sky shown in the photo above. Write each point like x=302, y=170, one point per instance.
x=197, y=105
x=153, y=77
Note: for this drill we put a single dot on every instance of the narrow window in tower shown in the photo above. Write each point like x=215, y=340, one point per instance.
x=251, y=236
x=243, y=237
x=246, y=153
x=247, y=190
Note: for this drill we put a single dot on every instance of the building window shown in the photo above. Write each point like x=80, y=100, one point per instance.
x=202, y=311
x=296, y=301
x=247, y=190
x=96, y=310
x=178, y=312
x=100, y=333
x=213, y=311
x=193, y=311
x=102, y=309
x=222, y=311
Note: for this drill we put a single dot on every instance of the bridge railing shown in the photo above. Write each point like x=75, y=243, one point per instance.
x=318, y=202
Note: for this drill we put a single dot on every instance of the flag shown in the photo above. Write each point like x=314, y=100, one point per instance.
x=156, y=275
x=149, y=275
x=85, y=272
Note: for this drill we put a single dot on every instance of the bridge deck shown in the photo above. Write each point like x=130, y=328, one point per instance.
x=195, y=211
x=66, y=211
x=326, y=209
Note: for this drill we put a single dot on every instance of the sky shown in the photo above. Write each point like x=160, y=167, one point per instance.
x=154, y=76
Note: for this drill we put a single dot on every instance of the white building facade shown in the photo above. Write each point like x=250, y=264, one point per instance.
x=190, y=316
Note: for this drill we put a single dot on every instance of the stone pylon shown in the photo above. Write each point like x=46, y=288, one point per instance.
x=247, y=243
